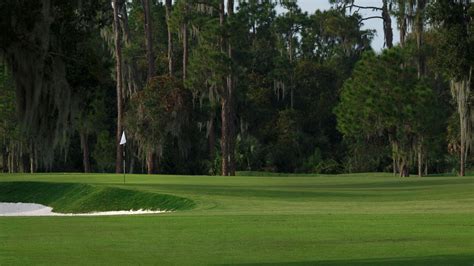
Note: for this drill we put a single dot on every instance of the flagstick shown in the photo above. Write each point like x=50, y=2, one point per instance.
x=123, y=141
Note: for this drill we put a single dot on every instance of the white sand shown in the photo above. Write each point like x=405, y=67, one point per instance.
x=33, y=209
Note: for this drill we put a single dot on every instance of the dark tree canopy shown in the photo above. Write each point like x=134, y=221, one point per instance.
x=200, y=87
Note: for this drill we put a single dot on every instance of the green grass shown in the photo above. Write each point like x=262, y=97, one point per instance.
x=83, y=198
x=361, y=219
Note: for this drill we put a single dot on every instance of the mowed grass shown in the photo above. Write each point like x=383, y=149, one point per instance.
x=361, y=219
x=84, y=198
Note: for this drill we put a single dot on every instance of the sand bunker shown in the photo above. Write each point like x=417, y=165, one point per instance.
x=33, y=209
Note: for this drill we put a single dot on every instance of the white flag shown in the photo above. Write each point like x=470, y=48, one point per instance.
x=123, y=140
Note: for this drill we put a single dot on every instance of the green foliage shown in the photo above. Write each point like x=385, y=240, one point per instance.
x=8, y=121
x=384, y=98
x=249, y=152
x=367, y=154
x=316, y=164
x=285, y=152
x=290, y=70
x=15, y=143
x=333, y=34
x=104, y=152
x=160, y=109
x=455, y=36
x=454, y=58
x=38, y=41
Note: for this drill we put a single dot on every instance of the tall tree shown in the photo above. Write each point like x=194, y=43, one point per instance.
x=385, y=10
x=150, y=156
x=289, y=26
x=453, y=20
x=387, y=24
x=148, y=27
x=170, y=36
x=185, y=38
x=370, y=104
x=231, y=94
x=403, y=18
x=118, y=78
x=208, y=69
x=224, y=101
x=419, y=28
x=130, y=75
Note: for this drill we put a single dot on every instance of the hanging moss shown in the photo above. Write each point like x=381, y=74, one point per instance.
x=36, y=39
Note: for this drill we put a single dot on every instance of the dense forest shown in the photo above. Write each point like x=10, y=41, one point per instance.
x=214, y=87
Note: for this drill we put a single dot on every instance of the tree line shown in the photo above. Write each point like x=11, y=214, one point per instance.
x=215, y=87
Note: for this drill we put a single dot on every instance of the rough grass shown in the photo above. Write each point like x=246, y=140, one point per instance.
x=362, y=219
x=83, y=198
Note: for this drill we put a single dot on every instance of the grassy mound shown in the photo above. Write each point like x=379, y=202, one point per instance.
x=83, y=198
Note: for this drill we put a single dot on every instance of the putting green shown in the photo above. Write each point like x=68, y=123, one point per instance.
x=347, y=219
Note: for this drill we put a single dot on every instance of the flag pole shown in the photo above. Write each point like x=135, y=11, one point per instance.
x=123, y=141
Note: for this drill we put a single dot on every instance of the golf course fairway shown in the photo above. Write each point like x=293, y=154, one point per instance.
x=358, y=219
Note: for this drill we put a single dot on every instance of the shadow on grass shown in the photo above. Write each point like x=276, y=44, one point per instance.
x=442, y=260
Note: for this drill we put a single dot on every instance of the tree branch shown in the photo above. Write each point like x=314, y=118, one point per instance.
x=367, y=18
x=363, y=7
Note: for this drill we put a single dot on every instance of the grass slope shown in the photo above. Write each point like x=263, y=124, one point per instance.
x=363, y=219
x=83, y=198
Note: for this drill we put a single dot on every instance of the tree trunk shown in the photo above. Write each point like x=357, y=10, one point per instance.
x=420, y=161
x=462, y=167
x=231, y=127
x=394, y=154
x=225, y=136
x=32, y=158
x=426, y=167
x=403, y=167
x=9, y=162
x=231, y=101
x=221, y=22
x=212, y=136
x=150, y=163
x=419, y=36
x=290, y=52
x=185, y=42
x=170, y=37
x=151, y=66
x=420, y=67
x=402, y=22
x=5, y=161
x=22, y=163
x=387, y=25
x=130, y=75
x=131, y=168
x=32, y=164
x=185, y=51
x=149, y=40
x=402, y=161
x=224, y=103
x=403, y=32
x=394, y=162
x=405, y=172
x=85, y=152
x=461, y=92
x=118, y=70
